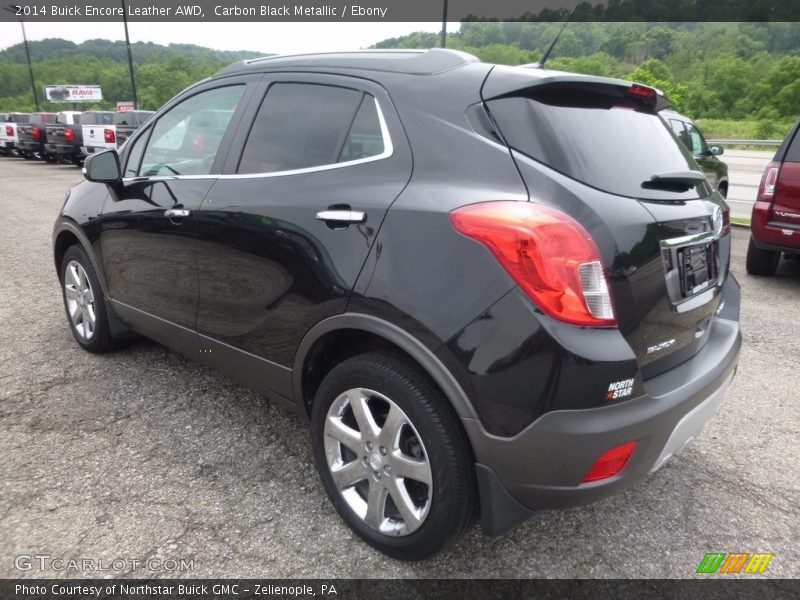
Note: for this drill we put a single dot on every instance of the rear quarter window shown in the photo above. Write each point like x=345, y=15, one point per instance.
x=597, y=136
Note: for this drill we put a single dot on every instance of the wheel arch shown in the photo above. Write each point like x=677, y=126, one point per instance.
x=67, y=233
x=370, y=333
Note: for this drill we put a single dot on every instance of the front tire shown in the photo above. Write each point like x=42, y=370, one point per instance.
x=84, y=302
x=760, y=261
x=392, y=456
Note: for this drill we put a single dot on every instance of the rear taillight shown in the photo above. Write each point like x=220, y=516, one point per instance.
x=9, y=131
x=69, y=134
x=109, y=136
x=610, y=462
x=548, y=253
x=769, y=180
x=36, y=133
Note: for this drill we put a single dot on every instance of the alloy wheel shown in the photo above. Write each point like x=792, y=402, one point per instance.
x=378, y=462
x=80, y=300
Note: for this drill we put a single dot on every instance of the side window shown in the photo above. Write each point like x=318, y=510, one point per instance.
x=365, y=137
x=135, y=156
x=302, y=125
x=697, y=144
x=680, y=131
x=186, y=138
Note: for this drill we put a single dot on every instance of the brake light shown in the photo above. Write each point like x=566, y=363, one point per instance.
x=36, y=133
x=642, y=91
x=69, y=134
x=9, y=131
x=109, y=136
x=766, y=190
x=610, y=462
x=548, y=253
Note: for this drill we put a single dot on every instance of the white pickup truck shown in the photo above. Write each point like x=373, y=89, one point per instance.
x=99, y=131
x=8, y=131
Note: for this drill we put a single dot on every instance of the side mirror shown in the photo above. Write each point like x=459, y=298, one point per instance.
x=717, y=150
x=102, y=167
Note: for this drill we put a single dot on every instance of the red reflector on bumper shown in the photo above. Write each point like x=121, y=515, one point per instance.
x=610, y=462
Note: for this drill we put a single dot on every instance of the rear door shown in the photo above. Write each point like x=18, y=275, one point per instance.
x=286, y=230
x=598, y=150
x=148, y=239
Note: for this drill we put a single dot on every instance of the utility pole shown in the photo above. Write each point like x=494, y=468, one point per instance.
x=130, y=58
x=444, y=24
x=13, y=9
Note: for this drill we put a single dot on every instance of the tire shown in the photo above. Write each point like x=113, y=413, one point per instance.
x=761, y=262
x=723, y=189
x=77, y=274
x=429, y=437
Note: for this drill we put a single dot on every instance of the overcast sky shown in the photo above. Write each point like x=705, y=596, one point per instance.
x=259, y=37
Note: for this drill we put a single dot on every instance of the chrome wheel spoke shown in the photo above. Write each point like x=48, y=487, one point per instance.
x=376, y=504
x=395, y=419
x=407, y=467
x=72, y=275
x=404, y=503
x=345, y=435
x=71, y=293
x=349, y=474
x=362, y=413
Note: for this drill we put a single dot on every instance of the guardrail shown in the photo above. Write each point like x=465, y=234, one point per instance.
x=747, y=142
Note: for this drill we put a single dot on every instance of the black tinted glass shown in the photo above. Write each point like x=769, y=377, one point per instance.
x=299, y=126
x=793, y=150
x=600, y=138
x=365, y=138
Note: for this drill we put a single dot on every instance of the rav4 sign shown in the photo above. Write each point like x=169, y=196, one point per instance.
x=73, y=93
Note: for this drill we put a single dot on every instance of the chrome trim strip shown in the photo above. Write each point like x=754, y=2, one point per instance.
x=388, y=151
x=694, y=239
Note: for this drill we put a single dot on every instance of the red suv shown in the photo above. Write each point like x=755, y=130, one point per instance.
x=776, y=213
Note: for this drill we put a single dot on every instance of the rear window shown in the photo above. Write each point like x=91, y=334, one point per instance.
x=43, y=117
x=132, y=118
x=18, y=118
x=63, y=119
x=597, y=136
x=97, y=118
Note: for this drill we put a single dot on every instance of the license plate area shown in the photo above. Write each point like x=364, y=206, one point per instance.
x=696, y=266
x=691, y=269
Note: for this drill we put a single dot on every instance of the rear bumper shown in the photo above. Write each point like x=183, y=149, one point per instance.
x=63, y=149
x=773, y=235
x=30, y=146
x=542, y=466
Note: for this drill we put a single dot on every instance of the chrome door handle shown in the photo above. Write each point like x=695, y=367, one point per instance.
x=177, y=213
x=342, y=216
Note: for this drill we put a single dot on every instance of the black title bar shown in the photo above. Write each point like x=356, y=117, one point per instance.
x=399, y=10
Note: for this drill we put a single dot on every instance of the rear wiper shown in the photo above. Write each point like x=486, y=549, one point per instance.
x=676, y=180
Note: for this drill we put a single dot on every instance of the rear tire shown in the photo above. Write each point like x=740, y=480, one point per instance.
x=760, y=261
x=723, y=189
x=84, y=302
x=382, y=429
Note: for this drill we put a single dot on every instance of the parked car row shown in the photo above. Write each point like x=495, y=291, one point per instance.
x=67, y=136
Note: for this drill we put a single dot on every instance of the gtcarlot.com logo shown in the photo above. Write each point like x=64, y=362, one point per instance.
x=734, y=562
x=45, y=562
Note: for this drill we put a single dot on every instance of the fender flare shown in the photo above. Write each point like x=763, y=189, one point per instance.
x=421, y=354
x=66, y=224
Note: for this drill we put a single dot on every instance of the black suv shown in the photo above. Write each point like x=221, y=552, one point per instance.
x=491, y=290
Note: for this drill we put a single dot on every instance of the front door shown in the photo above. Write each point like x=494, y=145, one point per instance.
x=148, y=239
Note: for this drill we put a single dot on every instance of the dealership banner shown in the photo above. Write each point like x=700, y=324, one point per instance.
x=401, y=10
x=399, y=589
x=73, y=93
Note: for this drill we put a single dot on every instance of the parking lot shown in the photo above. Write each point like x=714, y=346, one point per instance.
x=141, y=454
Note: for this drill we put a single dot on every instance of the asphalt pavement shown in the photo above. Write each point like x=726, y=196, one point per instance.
x=141, y=455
